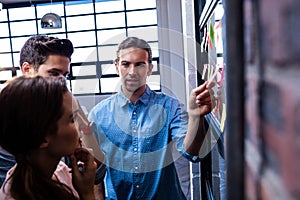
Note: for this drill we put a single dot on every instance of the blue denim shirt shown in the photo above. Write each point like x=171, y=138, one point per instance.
x=7, y=161
x=138, y=141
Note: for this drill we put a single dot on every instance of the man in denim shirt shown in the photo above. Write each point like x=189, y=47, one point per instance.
x=138, y=129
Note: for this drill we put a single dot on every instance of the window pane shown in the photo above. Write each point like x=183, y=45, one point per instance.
x=16, y=59
x=21, y=13
x=17, y=43
x=84, y=70
x=5, y=60
x=154, y=82
x=111, y=20
x=3, y=15
x=84, y=54
x=82, y=38
x=155, y=69
x=74, y=8
x=57, y=8
x=23, y=28
x=5, y=75
x=110, y=85
x=137, y=4
x=51, y=31
x=80, y=23
x=108, y=69
x=107, y=53
x=4, y=30
x=5, y=45
x=147, y=33
x=111, y=36
x=108, y=6
x=154, y=48
x=141, y=17
x=84, y=86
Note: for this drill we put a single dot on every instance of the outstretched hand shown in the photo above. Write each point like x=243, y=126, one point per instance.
x=201, y=100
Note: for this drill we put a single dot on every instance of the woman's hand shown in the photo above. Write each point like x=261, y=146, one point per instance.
x=83, y=173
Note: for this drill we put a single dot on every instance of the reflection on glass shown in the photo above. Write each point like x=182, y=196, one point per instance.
x=85, y=86
x=147, y=33
x=84, y=54
x=84, y=70
x=114, y=36
x=107, y=53
x=110, y=85
x=108, y=69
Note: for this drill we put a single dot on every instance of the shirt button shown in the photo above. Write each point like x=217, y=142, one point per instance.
x=135, y=149
x=134, y=131
x=136, y=168
x=137, y=186
x=134, y=113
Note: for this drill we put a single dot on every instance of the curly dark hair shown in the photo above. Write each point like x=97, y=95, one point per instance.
x=37, y=48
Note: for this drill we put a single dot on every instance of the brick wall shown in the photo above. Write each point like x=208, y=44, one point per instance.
x=272, y=58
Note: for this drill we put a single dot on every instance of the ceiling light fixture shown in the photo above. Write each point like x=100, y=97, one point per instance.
x=51, y=20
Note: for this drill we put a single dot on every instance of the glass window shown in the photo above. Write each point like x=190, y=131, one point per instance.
x=5, y=45
x=23, y=28
x=82, y=38
x=108, y=69
x=138, y=4
x=84, y=86
x=110, y=85
x=107, y=53
x=110, y=20
x=147, y=33
x=5, y=60
x=154, y=48
x=108, y=6
x=75, y=8
x=114, y=36
x=80, y=23
x=154, y=82
x=3, y=15
x=16, y=57
x=21, y=13
x=84, y=70
x=4, y=29
x=84, y=54
x=138, y=18
x=17, y=43
x=5, y=75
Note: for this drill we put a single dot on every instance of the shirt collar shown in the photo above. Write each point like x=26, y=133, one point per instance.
x=122, y=99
